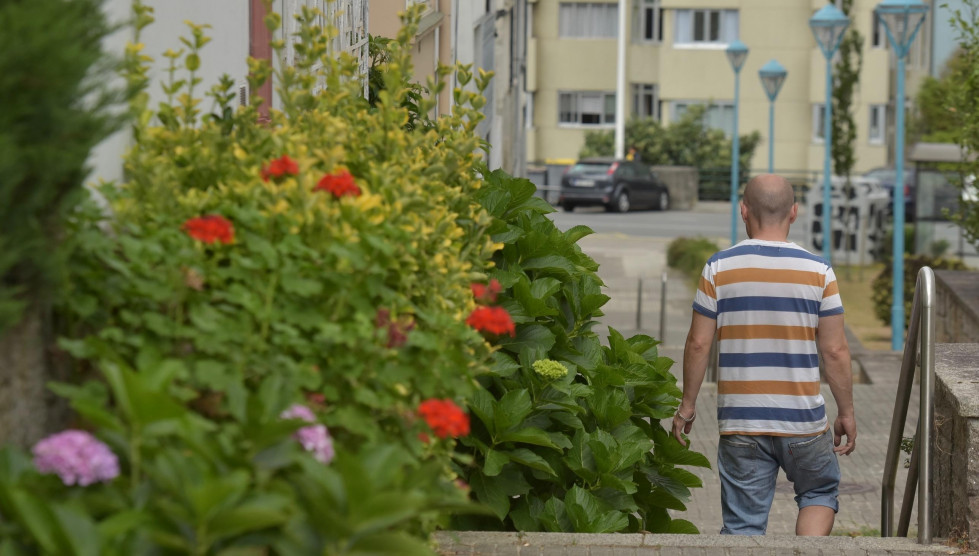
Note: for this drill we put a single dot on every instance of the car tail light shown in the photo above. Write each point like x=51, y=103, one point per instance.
x=612, y=168
x=907, y=190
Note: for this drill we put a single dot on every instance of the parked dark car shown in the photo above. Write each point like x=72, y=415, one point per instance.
x=618, y=185
x=928, y=193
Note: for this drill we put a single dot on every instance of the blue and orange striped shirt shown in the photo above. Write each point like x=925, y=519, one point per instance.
x=767, y=298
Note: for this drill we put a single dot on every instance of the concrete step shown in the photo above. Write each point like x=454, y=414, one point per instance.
x=577, y=544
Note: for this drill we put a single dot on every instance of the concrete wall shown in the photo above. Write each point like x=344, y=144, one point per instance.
x=682, y=182
x=955, y=487
x=957, y=306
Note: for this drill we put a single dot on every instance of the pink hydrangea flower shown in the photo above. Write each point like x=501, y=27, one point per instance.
x=314, y=438
x=77, y=457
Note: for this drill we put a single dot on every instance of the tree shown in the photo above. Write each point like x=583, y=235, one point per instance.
x=686, y=142
x=52, y=76
x=846, y=77
x=935, y=120
x=962, y=100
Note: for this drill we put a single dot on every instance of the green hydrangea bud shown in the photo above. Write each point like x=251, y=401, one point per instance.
x=550, y=369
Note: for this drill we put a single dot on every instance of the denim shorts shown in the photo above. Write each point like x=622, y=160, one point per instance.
x=748, y=467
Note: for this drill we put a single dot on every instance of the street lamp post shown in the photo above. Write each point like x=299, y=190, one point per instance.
x=828, y=25
x=736, y=52
x=902, y=19
x=772, y=76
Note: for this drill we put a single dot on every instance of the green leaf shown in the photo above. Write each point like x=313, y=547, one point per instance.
x=512, y=409
x=589, y=514
x=533, y=339
x=259, y=512
x=551, y=264
x=77, y=531
x=530, y=459
x=495, y=460
x=487, y=492
x=482, y=404
x=668, y=450
x=682, y=527
x=575, y=233
x=529, y=435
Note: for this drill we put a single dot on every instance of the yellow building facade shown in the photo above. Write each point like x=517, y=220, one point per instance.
x=675, y=58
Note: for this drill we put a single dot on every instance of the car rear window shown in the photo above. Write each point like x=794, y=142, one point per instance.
x=590, y=168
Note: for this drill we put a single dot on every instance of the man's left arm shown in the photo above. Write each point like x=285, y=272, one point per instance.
x=836, y=359
x=696, y=351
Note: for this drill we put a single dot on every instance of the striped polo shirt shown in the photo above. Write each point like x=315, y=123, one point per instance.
x=767, y=298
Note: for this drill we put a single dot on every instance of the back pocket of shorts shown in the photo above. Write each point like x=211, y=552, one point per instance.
x=812, y=454
x=737, y=457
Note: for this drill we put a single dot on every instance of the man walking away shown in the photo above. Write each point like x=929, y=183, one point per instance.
x=776, y=309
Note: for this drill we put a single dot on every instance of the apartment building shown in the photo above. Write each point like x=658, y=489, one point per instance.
x=486, y=34
x=675, y=59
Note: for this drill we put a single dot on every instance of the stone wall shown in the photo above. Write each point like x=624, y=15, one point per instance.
x=955, y=472
x=956, y=306
x=682, y=182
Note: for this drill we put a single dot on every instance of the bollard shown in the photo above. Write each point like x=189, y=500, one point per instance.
x=662, y=310
x=639, y=306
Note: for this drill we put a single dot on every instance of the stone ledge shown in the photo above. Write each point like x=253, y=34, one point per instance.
x=449, y=541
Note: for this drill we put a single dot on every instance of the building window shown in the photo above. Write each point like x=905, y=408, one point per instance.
x=645, y=101
x=588, y=20
x=719, y=115
x=586, y=108
x=648, y=19
x=878, y=123
x=818, y=122
x=706, y=27
x=878, y=35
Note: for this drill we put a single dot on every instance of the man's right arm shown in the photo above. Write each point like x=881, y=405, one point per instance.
x=836, y=360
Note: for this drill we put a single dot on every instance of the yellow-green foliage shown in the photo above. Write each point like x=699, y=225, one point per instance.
x=309, y=290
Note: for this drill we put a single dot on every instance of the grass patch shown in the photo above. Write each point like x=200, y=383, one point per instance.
x=856, y=291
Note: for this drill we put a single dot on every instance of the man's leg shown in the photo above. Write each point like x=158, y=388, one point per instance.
x=811, y=465
x=748, y=471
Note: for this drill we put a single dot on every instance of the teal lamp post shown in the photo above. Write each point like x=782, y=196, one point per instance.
x=737, y=53
x=772, y=76
x=828, y=26
x=902, y=19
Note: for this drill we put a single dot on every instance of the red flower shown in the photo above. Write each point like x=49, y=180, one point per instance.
x=482, y=292
x=210, y=228
x=339, y=184
x=445, y=418
x=280, y=168
x=494, y=320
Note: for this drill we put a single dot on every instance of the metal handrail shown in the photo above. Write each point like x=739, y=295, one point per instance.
x=922, y=327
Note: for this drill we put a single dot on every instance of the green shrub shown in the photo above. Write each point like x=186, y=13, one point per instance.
x=52, y=75
x=689, y=255
x=324, y=258
x=566, y=432
x=883, y=284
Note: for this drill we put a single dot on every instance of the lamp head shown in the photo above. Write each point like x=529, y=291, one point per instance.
x=902, y=19
x=828, y=25
x=736, y=52
x=772, y=76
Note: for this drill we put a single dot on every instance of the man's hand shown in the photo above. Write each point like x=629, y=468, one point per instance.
x=682, y=423
x=845, y=425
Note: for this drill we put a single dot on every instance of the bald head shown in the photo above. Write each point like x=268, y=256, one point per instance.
x=769, y=199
